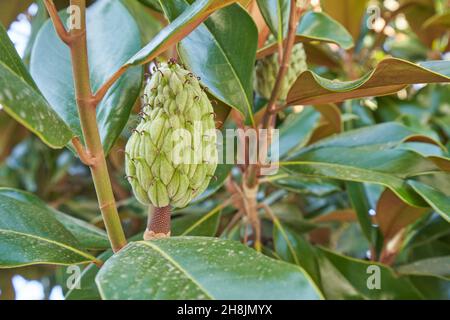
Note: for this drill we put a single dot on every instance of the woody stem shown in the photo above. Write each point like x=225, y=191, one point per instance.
x=93, y=155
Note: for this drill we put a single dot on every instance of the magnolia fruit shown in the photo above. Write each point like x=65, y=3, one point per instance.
x=268, y=67
x=171, y=155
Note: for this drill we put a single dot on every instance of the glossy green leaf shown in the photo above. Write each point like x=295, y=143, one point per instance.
x=153, y=4
x=365, y=155
x=347, y=278
x=353, y=164
x=197, y=224
x=305, y=185
x=390, y=76
x=199, y=268
x=341, y=277
x=112, y=37
x=148, y=25
x=31, y=234
x=87, y=289
x=296, y=130
x=177, y=30
x=358, y=198
x=293, y=248
x=89, y=236
x=438, y=199
x=230, y=66
x=439, y=266
x=316, y=26
x=22, y=100
x=276, y=15
x=385, y=136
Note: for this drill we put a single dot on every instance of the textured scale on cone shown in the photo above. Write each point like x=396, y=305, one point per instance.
x=171, y=155
x=267, y=69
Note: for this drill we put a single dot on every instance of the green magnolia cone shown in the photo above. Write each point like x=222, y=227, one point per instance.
x=267, y=70
x=172, y=156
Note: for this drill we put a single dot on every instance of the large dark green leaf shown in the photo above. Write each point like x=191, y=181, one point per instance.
x=305, y=185
x=293, y=248
x=388, y=167
x=199, y=268
x=344, y=278
x=148, y=25
x=316, y=27
x=112, y=37
x=22, y=100
x=366, y=155
x=390, y=76
x=341, y=277
x=177, y=30
x=438, y=197
x=31, y=234
x=276, y=15
x=360, y=202
x=230, y=66
x=89, y=236
x=296, y=130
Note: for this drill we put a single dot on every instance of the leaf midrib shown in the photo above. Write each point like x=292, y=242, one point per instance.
x=60, y=244
x=177, y=265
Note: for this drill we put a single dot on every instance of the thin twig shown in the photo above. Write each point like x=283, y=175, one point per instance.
x=76, y=40
x=59, y=26
x=84, y=155
x=269, y=212
x=269, y=115
x=100, y=94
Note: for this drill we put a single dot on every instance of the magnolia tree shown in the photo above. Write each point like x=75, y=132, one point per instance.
x=225, y=149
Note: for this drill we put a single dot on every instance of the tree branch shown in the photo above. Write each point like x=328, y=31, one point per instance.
x=287, y=51
x=100, y=94
x=84, y=155
x=269, y=115
x=93, y=155
x=57, y=23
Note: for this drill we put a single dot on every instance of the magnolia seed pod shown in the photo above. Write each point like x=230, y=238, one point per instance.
x=171, y=156
x=266, y=72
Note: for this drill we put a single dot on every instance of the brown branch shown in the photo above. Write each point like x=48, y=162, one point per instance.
x=100, y=94
x=287, y=51
x=57, y=23
x=83, y=154
x=94, y=156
